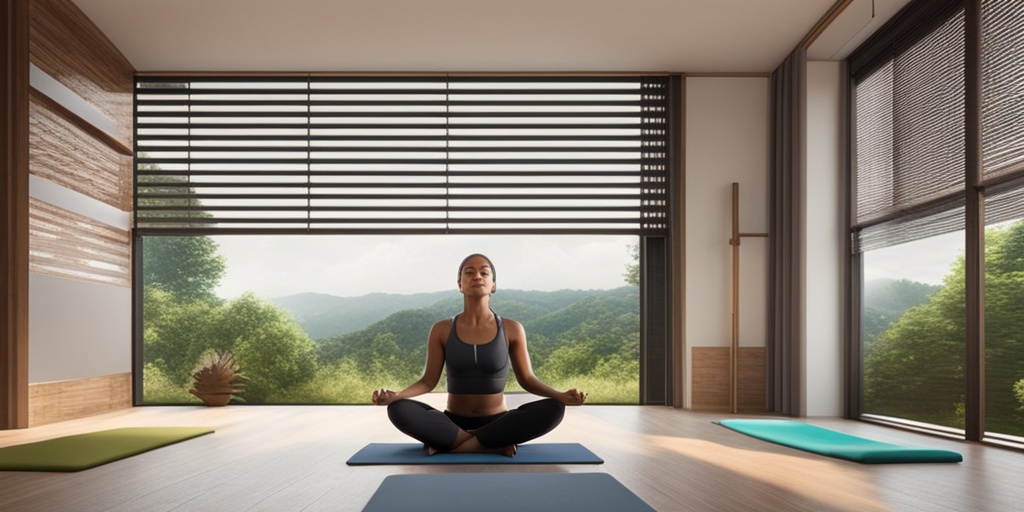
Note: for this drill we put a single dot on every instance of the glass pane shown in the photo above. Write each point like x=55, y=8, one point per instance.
x=914, y=331
x=1004, y=328
x=327, y=319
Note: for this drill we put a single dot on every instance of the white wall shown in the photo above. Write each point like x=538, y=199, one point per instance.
x=727, y=140
x=77, y=329
x=823, y=248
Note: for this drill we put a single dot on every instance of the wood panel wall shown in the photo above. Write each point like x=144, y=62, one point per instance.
x=50, y=402
x=710, y=371
x=66, y=154
x=14, y=91
x=65, y=244
x=64, y=43
x=68, y=150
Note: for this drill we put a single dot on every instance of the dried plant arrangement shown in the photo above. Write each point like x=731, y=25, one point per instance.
x=217, y=379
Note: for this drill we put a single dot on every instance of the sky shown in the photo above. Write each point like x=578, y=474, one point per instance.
x=351, y=266
x=925, y=261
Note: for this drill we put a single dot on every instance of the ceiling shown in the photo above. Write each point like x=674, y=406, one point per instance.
x=692, y=36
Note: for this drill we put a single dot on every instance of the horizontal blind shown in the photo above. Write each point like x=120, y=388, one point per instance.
x=1002, y=90
x=402, y=154
x=910, y=138
x=1004, y=202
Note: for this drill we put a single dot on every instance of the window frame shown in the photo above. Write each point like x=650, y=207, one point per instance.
x=917, y=16
x=659, y=188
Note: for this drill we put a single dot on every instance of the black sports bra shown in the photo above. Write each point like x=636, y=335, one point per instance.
x=476, y=369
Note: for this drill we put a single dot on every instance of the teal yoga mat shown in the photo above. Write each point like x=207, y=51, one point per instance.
x=83, y=451
x=504, y=492
x=531, y=453
x=823, y=441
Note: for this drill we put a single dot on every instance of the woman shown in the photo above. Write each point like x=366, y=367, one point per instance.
x=476, y=347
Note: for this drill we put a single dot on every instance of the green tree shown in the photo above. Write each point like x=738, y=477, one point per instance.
x=274, y=353
x=1004, y=328
x=1018, y=391
x=632, y=275
x=387, y=360
x=186, y=266
x=176, y=333
x=915, y=368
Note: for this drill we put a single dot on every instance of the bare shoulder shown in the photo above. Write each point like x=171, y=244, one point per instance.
x=513, y=329
x=440, y=330
x=510, y=323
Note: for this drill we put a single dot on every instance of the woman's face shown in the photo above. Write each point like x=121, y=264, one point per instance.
x=477, y=277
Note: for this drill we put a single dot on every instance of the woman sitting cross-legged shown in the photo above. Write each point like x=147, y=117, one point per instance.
x=476, y=347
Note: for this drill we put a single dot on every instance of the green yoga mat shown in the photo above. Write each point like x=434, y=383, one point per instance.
x=820, y=440
x=83, y=451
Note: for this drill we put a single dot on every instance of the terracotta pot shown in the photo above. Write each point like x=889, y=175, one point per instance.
x=214, y=399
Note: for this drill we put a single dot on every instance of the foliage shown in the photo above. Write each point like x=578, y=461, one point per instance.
x=632, y=275
x=157, y=388
x=269, y=345
x=1018, y=391
x=176, y=333
x=186, y=266
x=915, y=368
x=885, y=300
x=578, y=338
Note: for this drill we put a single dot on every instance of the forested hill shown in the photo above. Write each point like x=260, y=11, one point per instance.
x=547, y=316
x=324, y=316
x=885, y=300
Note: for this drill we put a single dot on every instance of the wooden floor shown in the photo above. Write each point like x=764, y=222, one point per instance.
x=284, y=458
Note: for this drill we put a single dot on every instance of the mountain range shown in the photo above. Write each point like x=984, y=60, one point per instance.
x=324, y=315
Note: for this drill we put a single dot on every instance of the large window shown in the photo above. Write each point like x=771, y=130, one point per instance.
x=938, y=202
x=914, y=331
x=1002, y=168
x=235, y=172
x=354, y=313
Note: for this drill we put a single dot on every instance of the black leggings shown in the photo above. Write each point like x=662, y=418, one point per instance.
x=439, y=430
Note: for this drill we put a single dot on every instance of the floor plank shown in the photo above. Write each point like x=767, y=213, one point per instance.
x=292, y=458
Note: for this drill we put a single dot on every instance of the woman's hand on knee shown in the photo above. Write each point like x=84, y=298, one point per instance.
x=383, y=396
x=573, y=397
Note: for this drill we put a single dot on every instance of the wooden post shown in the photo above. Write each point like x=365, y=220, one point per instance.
x=734, y=350
x=14, y=195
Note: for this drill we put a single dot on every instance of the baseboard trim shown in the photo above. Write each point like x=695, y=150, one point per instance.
x=51, y=402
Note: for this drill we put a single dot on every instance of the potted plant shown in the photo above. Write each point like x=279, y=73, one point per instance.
x=217, y=379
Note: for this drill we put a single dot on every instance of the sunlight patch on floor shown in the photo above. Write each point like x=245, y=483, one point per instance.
x=849, y=488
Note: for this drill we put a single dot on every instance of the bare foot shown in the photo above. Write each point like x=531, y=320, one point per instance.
x=510, y=451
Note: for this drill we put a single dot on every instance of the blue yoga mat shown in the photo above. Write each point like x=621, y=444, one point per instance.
x=536, y=453
x=504, y=492
x=820, y=440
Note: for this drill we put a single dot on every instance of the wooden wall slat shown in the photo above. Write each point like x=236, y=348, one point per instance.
x=66, y=45
x=50, y=402
x=710, y=370
x=62, y=153
x=750, y=395
x=65, y=244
